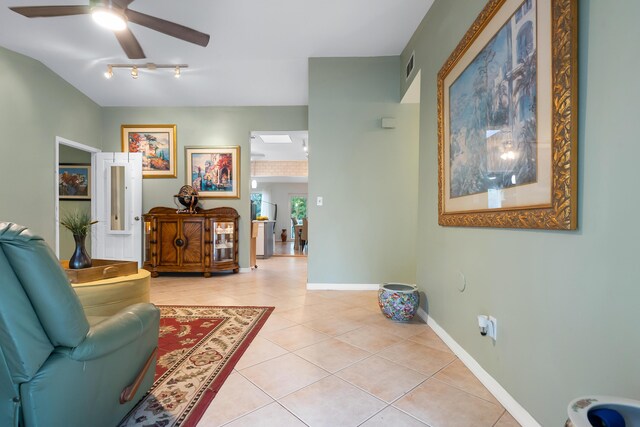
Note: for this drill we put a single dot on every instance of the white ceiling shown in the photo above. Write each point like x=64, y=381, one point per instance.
x=258, y=53
x=262, y=151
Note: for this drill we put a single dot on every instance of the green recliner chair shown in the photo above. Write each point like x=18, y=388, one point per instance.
x=55, y=369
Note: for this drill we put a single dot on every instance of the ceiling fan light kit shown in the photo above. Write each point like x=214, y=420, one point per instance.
x=109, y=18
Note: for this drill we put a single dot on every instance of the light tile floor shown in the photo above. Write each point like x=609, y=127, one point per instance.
x=329, y=358
x=287, y=249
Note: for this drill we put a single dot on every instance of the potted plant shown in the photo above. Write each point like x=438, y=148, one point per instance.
x=79, y=223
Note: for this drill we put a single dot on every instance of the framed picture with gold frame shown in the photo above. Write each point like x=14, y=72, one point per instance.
x=507, y=119
x=214, y=171
x=157, y=143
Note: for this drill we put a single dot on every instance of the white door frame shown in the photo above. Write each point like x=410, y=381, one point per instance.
x=56, y=188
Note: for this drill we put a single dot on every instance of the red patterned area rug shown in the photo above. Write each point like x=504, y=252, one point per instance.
x=197, y=350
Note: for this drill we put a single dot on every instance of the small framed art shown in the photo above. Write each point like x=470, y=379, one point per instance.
x=74, y=181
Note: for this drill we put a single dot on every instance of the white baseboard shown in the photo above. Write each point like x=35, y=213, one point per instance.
x=342, y=286
x=245, y=269
x=510, y=404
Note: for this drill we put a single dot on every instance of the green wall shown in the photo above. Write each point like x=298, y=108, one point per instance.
x=365, y=231
x=205, y=126
x=36, y=105
x=566, y=302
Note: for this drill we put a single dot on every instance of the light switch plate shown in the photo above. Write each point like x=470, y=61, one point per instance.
x=319, y=201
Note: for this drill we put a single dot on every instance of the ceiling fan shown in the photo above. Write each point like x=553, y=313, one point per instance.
x=114, y=14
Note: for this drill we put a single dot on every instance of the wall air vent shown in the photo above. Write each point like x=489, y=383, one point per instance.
x=410, y=64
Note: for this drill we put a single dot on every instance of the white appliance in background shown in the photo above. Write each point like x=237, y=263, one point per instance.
x=264, y=241
x=118, y=207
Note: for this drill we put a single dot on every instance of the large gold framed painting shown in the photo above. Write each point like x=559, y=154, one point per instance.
x=507, y=119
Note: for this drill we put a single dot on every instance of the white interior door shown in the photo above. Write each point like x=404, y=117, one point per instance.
x=118, y=200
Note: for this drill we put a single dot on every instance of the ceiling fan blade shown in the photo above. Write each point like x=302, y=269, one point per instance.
x=169, y=28
x=50, y=11
x=129, y=44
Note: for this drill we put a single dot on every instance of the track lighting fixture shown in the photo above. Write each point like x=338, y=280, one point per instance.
x=177, y=68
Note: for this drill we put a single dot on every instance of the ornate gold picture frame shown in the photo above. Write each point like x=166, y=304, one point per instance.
x=214, y=171
x=507, y=119
x=157, y=143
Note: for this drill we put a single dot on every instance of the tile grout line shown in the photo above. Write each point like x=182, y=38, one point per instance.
x=468, y=393
x=257, y=289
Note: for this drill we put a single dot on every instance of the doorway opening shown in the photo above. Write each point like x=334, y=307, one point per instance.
x=279, y=171
x=298, y=211
x=73, y=188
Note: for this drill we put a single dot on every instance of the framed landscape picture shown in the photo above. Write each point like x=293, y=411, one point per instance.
x=214, y=171
x=507, y=119
x=157, y=143
x=74, y=181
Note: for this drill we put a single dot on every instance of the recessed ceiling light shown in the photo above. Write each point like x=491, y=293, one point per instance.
x=276, y=139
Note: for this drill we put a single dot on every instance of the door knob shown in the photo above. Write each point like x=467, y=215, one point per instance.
x=137, y=218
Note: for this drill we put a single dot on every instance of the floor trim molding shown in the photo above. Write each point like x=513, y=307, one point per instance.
x=510, y=404
x=342, y=287
x=245, y=269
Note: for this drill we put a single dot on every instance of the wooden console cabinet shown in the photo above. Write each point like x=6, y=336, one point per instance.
x=205, y=241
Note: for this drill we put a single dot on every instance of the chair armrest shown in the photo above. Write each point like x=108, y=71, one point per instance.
x=116, y=332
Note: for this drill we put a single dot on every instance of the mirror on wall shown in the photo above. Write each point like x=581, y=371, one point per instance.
x=118, y=202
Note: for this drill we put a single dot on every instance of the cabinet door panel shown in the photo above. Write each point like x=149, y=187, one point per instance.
x=168, y=233
x=193, y=236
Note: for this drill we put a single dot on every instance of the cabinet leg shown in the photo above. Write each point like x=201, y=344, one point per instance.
x=154, y=274
x=207, y=274
x=235, y=270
